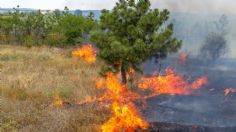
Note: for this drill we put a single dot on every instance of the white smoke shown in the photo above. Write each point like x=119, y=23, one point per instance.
x=90, y=4
x=203, y=6
x=195, y=6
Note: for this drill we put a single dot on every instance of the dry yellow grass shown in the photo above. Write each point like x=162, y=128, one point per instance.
x=29, y=77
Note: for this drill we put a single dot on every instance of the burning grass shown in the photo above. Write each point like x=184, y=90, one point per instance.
x=45, y=89
x=86, y=52
x=29, y=80
x=125, y=116
x=227, y=91
x=121, y=99
x=171, y=83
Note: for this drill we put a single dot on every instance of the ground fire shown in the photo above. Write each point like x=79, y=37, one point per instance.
x=125, y=114
x=171, y=83
x=58, y=102
x=87, y=52
x=118, y=65
x=227, y=91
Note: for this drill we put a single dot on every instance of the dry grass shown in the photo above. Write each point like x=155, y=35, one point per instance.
x=28, y=80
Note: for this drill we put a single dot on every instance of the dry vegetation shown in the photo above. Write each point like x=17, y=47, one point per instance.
x=29, y=77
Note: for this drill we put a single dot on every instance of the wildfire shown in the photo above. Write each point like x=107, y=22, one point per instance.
x=58, y=102
x=125, y=115
x=86, y=52
x=130, y=73
x=172, y=83
x=227, y=91
x=125, y=118
x=183, y=57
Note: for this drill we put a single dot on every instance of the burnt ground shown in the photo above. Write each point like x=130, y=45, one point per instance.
x=192, y=110
x=206, y=110
x=174, y=127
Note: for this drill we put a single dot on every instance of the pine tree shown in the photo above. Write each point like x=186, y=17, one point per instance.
x=131, y=33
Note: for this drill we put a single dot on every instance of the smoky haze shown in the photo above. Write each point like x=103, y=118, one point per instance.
x=196, y=6
x=203, y=6
x=194, y=19
x=207, y=106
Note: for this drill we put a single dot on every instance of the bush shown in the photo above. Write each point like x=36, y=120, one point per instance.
x=29, y=40
x=55, y=39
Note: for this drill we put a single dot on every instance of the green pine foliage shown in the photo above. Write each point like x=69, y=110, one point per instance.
x=132, y=33
x=126, y=36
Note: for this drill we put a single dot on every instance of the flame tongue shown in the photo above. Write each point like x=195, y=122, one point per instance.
x=58, y=102
x=125, y=116
x=171, y=83
x=86, y=52
x=227, y=91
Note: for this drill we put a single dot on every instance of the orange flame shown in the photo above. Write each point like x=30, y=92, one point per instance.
x=125, y=116
x=171, y=83
x=199, y=82
x=86, y=52
x=227, y=91
x=183, y=57
x=58, y=102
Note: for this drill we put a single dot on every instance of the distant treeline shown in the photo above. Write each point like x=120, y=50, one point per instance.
x=56, y=28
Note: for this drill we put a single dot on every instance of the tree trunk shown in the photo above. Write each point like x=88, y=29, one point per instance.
x=123, y=75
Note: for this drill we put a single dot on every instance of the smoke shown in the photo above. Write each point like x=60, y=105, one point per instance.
x=207, y=106
x=196, y=6
x=194, y=20
x=203, y=6
x=90, y=4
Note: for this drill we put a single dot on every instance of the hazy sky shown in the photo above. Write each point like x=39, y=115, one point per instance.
x=215, y=6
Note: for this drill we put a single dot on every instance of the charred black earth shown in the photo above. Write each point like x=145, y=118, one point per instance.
x=206, y=110
x=174, y=127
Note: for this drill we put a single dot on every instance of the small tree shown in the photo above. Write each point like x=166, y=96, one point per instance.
x=132, y=33
x=17, y=24
x=215, y=46
x=221, y=24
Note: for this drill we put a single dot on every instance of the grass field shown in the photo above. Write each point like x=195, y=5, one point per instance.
x=29, y=79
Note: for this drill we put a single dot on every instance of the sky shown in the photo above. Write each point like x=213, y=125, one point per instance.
x=211, y=6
